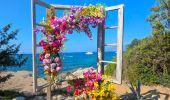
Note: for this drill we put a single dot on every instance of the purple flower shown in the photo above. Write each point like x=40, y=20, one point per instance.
x=53, y=65
x=72, y=17
x=36, y=30
x=70, y=31
x=47, y=61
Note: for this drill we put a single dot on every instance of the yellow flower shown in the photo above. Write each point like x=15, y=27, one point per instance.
x=111, y=87
x=96, y=85
x=102, y=93
x=92, y=11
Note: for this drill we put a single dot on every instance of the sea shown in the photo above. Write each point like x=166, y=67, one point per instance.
x=71, y=61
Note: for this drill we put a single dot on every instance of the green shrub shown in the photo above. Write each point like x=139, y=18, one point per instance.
x=148, y=59
x=110, y=68
x=140, y=72
x=9, y=94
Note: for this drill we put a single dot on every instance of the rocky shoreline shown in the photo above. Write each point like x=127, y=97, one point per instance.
x=22, y=80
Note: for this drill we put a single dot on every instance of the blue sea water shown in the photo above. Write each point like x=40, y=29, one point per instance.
x=71, y=61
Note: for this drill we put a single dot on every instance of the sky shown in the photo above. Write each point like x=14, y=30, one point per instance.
x=18, y=12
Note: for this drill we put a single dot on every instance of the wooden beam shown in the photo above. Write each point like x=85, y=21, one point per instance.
x=40, y=25
x=43, y=4
x=110, y=45
x=114, y=7
x=100, y=48
x=49, y=88
x=111, y=27
x=111, y=62
x=48, y=13
x=120, y=46
x=63, y=7
x=33, y=18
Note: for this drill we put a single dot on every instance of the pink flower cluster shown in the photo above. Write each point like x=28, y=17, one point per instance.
x=85, y=85
x=91, y=77
x=69, y=23
x=51, y=66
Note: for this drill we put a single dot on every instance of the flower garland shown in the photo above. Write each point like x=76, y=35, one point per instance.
x=55, y=30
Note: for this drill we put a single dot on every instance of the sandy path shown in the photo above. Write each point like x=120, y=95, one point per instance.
x=21, y=81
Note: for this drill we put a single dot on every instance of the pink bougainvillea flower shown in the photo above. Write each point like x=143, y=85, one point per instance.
x=60, y=38
x=57, y=32
x=56, y=44
x=57, y=59
x=47, y=55
x=69, y=88
x=58, y=69
x=53, y=65
x=86, y=74
x=76, y=86
x=63, y=26
x=99, y=77
x=41, y=57
x=46, y=67
x=77, y=92
x=46, y=47
x=55, y=49
x=78, y=82
x=45, y=61
x=92, y=68
x=42, y=43
x=53, y=20
x=89, y=83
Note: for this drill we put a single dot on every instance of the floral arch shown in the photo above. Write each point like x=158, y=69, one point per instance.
x=55, y=29
x=79, y=18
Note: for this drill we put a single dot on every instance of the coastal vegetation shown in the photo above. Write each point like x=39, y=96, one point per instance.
x=9, y=51
x=148, y=59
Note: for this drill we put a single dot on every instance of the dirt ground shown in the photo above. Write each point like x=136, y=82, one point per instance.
x=154, y=92
x=22, y=81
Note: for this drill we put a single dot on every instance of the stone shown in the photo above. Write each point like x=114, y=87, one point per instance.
x=69, y=98
x=60, y=97
x=39, y=98
x=19, y=98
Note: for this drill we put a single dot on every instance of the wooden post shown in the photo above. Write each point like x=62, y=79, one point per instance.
x=33, y=18
x=49, y=88
x=119, y=46
x=100, y=48
x=48, y=12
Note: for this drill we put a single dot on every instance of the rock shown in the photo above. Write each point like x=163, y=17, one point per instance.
x=69, y=98
x=19, y=98
x=54, y=97
x=60, y=97
x=39, y=98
